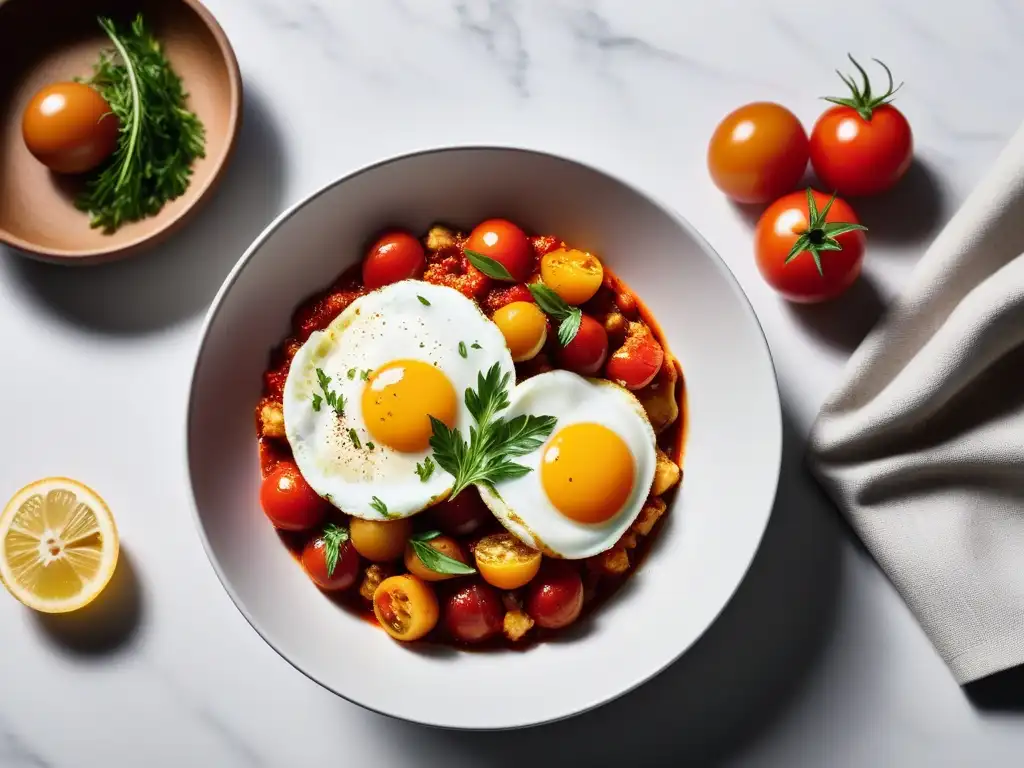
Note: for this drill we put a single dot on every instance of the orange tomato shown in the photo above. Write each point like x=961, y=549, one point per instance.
x=505, y=562
x=406, y=607
x=69, y=128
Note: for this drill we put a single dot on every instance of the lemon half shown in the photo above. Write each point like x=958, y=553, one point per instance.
x=58, y=545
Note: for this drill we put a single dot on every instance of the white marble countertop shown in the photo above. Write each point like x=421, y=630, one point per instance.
x=815, y=662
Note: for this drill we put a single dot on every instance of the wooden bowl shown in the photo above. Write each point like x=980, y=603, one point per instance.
x=44, y=41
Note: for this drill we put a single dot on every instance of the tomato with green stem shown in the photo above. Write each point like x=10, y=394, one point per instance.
x=863, y=145
x=809, y=247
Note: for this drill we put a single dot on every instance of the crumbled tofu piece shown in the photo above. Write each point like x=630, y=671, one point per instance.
x=628, y=540
x=666, y=474
x=652, y=510
x=272, y=420
x=659, y=397
x=374, y=575
x=615, y=561
x=516, y=625
x=440, y=237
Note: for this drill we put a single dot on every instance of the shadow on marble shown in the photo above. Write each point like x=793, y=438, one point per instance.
x=845, y=321
x=728, y=689
x=107, y=626
x=1001, y=692
x=178, y=279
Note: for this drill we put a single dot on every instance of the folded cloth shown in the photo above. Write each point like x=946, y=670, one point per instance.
x=922, y=446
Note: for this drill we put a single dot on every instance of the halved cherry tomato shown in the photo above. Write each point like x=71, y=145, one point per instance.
x=446, y=545
x=555, y=597
x=462, y=515
x=288, y=500
x=395, y=256
x=506, y=243
x=863, y=145
x=474, y=613
x=504, y=561
x=757, y=153
x=813, y=274
x=574, y=275
x=586, y=353
x=406, y=607
x=345, y=571
x=380, y=540
x=635, y=364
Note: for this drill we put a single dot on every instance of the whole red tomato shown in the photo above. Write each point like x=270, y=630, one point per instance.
x=863, y=145
x=809, y=247
x=289, y=501
x=395, y=256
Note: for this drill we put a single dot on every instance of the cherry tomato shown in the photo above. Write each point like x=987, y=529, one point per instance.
x=757, y=153
x=779, y=228
x=506, y=243
x=288, y=500
x=635, y=364
x=379, y=540
x=524, y=327
x=346, y=568
x=863, y=145
x=69, y=128
x=462, y=515
x=446, y=545
x=555, y=597
x=586, y=353
x=405, y=607
x=395, y=256
x=574, y=275
x=474, y=613
x=504, y=561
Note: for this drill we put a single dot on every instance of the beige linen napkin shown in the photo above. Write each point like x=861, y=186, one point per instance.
x=922, y=447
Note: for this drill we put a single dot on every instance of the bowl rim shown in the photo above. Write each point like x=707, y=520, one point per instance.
x=294, y=209
x=123, y=250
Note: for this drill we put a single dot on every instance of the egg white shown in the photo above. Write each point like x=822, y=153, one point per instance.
x=389, y=324
x=522, y=506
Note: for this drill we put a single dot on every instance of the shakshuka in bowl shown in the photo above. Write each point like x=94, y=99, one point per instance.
x=481, y=414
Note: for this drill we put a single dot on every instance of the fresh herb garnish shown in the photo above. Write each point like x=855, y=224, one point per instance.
x=334, y=536
x=490, y=267
x=334, y=399
x=371, y=446
x=355, y=438
x=159, y=137
x=462, y=349
x=568, y=317
x=474, y=345
x=486, y=458
x=425, y=469
x=423, y=301
x=351, y=373
x=316, y=401
x=364, y=375
x=820, y=235
x=436, y=561
x=380, y=507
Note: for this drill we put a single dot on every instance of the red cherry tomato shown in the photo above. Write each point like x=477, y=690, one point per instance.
x=757, y=153
x=586, y=353
x=635, y=364
x=396, y=256
x=288, y=500
x=506, y=243
x=463, y=515
x=863, y=145
x=778, y=230
x=346, y=568
x=474, y=613
x=555, y=596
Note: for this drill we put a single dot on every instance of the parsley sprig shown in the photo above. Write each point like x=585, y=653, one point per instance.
x=380, y=507
x=334, y=399
x=568, y=317
x=437, y=561
x=425, y=469
x=487, y=457
x=334, y=536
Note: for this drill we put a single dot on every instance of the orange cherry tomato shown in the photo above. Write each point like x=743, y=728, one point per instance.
x=405, y=607
x=446, y=545
x=505, y=562
x=757, y=153
x=506, y=243
x=380, y=540
x=635, y=364
x=69, y=128
x=395, y=256
x=288, y=500
x=800, y=280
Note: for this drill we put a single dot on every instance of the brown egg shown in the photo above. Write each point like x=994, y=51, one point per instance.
x=69, y=128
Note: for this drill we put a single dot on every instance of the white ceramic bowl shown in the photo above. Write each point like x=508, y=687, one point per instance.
x=731, y=461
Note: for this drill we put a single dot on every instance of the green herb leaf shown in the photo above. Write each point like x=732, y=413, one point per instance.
x=364, y=375
x=380, y=507
x=371, y=446
x=490, y=267
x=351, y=373
x=425, y=469
x=462, y=349
x=474, y=345
x=355, y=438
x=334, y=536
x=334, y=399
x=316, y=401
x=423, y=301
x=434, y=560
x=159, y=138
x=568, y=316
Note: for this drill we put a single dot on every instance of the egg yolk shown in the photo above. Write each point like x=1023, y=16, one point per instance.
x=587, y=472
x=399, y=399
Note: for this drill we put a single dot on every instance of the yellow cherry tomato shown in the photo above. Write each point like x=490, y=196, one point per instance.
x=573, y=275
x=524, y=327
x=505, y=562
x=380, y=541
x=406, y=607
